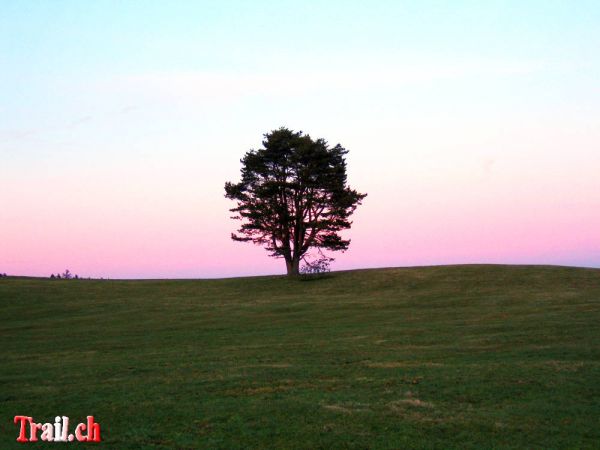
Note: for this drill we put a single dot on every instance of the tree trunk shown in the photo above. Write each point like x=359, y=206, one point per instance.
x=292, y=266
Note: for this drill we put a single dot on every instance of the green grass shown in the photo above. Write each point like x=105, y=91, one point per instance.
x=438, y=357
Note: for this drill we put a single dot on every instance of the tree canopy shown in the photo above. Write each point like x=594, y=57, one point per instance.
x=293, y=196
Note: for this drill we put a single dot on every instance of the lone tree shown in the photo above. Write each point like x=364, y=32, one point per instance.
x=293, y=196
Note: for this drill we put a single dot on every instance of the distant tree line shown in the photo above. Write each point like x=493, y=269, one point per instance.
x=66, y=275
x=2, y=275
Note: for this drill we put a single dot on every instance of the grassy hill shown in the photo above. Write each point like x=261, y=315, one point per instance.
x=436, y=357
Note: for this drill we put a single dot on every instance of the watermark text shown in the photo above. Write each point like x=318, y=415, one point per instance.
x=57, y=431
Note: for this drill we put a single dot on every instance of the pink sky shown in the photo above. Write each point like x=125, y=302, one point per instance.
x=169, y=219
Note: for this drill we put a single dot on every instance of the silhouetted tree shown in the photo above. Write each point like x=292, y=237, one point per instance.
x=52, y=276
x=67, y=275
x=293, y=196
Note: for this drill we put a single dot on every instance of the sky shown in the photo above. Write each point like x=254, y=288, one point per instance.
x=473, y=126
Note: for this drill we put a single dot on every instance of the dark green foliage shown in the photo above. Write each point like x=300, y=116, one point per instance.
x=293, y=196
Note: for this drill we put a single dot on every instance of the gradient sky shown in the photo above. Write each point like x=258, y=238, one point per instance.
x=473, y=126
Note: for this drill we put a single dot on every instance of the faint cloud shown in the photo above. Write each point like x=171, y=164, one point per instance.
x=17, y=135
x=487, y=166
x=80, y=121
x=224, y=85
x=128, y=109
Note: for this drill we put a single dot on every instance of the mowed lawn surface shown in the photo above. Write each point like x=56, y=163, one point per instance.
x=437, y=357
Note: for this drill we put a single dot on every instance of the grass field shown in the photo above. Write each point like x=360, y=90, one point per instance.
x=437, y=357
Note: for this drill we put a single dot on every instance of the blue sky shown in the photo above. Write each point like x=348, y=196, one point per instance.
x=52, y=51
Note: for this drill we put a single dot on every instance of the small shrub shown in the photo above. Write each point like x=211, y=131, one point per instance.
x=316, y=269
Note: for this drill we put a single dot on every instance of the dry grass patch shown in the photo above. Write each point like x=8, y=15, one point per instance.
x=565, y=366
x=399, y=364
x=273, y=365
x=348, y=408
x=410, y=400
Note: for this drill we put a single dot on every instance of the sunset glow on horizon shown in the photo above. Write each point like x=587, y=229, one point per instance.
x=475, y=131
